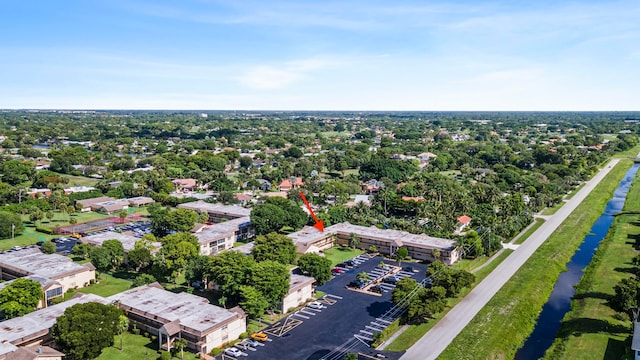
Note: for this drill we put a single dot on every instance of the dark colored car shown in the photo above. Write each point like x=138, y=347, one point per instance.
x=390, y=280
x=407, y=269
x=350, y=263
x=376, y=289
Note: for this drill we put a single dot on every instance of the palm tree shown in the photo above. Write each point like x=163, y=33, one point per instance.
x=180, y=344
x=123, y=325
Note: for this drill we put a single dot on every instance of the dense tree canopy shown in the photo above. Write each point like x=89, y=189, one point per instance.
x=316, y=266
x=20, y=297
x=274, y=246
x=85, y=329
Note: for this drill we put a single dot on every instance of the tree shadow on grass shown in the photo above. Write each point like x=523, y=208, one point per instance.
x=579, y=326
x=592, y=295
x=618, y=349
x=635, y=240
x=626, y=270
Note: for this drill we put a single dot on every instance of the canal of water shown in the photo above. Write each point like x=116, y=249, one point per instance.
x=559, y=303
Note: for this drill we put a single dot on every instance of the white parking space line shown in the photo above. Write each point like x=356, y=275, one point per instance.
x=302, y=316
x=362, y=337
x=304, y=311
x=334, y=296
x=366, y=332
x=383, y=321
x=374, y=328
x=310, y=309
x=378, y=325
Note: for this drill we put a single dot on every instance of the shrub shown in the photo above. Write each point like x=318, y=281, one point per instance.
x=165, y=355
x=243, y=335
x=44, y=230
x=216, y=351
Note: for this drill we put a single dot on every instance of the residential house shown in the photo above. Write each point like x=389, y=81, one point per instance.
x=34, y=353
x=185, y=185
x=289, y=184
x=78, y=189
x=38, y=193
x=85, y=205
x=463, y=222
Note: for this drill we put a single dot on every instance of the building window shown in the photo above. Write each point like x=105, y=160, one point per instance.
x=225, y=327
x=54, y=292
x=225, y=337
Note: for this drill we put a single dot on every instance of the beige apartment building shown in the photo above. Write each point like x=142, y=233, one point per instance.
x=300, y=291
x=420, y=246
x=56, y=273
x=181, y=316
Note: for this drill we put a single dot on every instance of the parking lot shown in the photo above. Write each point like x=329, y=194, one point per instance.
x=312, y=333
x=137, y=229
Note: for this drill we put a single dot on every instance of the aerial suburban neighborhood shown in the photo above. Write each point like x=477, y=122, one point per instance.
x=248, y=234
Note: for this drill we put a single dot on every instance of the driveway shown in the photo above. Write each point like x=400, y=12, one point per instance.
x=442, y=334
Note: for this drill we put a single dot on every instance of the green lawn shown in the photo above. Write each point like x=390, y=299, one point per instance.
x=29, y=237
x=136, y=347
x=592, y=330
x=552, y=210
x=80, y=180
x=339, y=254
x=503, y=325
x=537, y=223
x=107, y=286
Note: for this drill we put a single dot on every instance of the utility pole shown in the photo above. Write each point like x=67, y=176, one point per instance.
x=13, y=231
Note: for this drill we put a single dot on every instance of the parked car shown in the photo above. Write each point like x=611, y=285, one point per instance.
x=251, y=342
x=407, y=269
x=233, y=352
x=376, y=289
x=315, y=305
x=337, y=271
x=16, y=248
x=391, y=280
x=350, y=263
x=262, y=337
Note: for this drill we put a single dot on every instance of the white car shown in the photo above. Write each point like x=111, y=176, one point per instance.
x=315, y=305
x=233, y=352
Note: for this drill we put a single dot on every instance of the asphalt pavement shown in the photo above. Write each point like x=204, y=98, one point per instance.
x=311, y=334
x=442, y=334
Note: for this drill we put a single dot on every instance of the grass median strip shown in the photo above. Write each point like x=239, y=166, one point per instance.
x=501, y=327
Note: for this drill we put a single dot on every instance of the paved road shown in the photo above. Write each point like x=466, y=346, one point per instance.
x=440, y=336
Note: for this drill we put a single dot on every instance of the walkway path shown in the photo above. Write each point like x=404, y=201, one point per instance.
x=442, y=334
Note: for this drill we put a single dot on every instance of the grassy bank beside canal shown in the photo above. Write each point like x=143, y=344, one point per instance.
x=592, y=330
x=502, y=326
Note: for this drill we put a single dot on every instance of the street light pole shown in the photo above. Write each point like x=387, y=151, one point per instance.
x=13, y=230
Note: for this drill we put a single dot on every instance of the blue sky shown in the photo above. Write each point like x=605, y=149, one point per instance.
x=320, y=55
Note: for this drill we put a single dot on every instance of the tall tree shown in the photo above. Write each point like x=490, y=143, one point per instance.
x=7, y=222
x=276, y=247
x=85, y=329
x=123, y=326
x=20, y=297
x=317, y=266
x=252, y=301
x=48, y=247
x=271, y=279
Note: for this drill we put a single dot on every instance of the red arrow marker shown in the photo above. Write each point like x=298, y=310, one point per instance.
x=319, y=224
